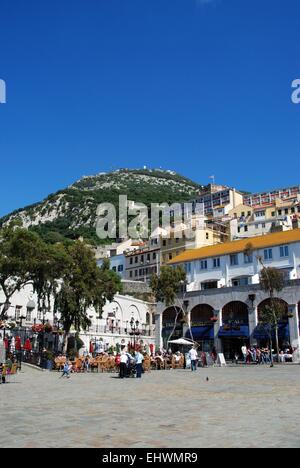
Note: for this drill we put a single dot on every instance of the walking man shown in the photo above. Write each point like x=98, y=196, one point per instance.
x=193, y=355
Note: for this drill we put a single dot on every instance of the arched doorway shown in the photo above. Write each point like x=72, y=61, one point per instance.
x=202, y=326
x=234, y=332
x=172, y=324
x=265, y=331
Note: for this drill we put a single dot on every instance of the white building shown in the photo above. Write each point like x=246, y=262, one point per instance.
x=113, y=328
x=227, y=265
x=224, y=299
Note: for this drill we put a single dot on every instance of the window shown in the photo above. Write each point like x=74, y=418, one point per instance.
x=273, y=214
x=286, y=211
x=142, y=258
x=29, y=314
x=248, y=258
x=131, y=274
x=18, y=312
x=268, y=254
x=216, y=262
x=177, y=240
x=136, y=273
x=293, y=210
x=120, y=268
x=188, y=268
x=114, y=269
x=246, y=228
x=284, y=251
x=131, y=261
x=280, y=212
x=164, y=243
x=154, y=256
x=203, y=264
x=136, y=259
x=148, y=257
x=260, y=214
x=256, y=226
x=170, y=256
x=249, y=213
x=239, y=229
x=263, y=225
x=234, y=260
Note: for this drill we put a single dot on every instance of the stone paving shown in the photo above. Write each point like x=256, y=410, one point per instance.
x=238, y=407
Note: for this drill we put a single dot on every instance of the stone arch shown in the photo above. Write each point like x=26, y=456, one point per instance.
x=280, y=302
x=169, y=316
x=235, y=311
x=134, y=312
x=202, y=314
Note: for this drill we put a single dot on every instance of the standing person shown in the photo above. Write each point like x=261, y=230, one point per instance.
x=139, y=358
x=244, y=353
x=123, y=365
x=193, y=355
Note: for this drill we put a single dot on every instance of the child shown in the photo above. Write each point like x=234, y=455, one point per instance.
x=66, y=370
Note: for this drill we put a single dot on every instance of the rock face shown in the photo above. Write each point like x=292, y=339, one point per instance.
x=71, y=212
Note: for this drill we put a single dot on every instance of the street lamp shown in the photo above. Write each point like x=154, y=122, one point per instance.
x=134, y=330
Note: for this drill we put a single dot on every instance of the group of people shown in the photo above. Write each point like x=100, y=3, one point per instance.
x=131, y=365
x=257, y=355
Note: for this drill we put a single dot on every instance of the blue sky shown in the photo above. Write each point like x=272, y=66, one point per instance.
x=199, y=86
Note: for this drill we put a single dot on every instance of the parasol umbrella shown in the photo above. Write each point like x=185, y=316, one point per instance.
x=183, y=342
x=27, y=345
x=18, y=344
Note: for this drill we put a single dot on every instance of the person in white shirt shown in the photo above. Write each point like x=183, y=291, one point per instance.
x=245, y=352
x=123, y=365
x=193, y=355
x=139, y=358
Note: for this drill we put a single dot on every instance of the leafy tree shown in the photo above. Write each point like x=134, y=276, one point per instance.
x=84, y=285
x=166, y=288
x=272, y=281
x=168, y=284
x=18, y=250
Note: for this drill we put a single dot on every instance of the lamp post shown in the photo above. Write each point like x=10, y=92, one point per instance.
x=20, y=352
x=134, y=330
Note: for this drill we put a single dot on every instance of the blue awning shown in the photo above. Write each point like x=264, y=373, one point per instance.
x=261, y=332
x=241, y=331
x=201, y=333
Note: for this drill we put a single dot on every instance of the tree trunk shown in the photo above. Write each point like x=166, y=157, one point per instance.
x=65, y=343
x=277, y=342
x=5, y=309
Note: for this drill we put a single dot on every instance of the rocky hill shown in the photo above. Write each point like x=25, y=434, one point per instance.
x=71, y=213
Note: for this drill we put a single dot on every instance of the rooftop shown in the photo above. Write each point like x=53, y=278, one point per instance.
x=260, y=242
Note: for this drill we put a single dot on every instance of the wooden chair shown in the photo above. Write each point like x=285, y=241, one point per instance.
x=147, y=364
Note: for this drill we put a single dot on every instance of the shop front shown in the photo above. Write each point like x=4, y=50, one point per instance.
x=233, y=339
x=203, y=335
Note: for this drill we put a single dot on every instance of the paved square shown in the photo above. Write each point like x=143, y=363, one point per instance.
x=238, y=407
